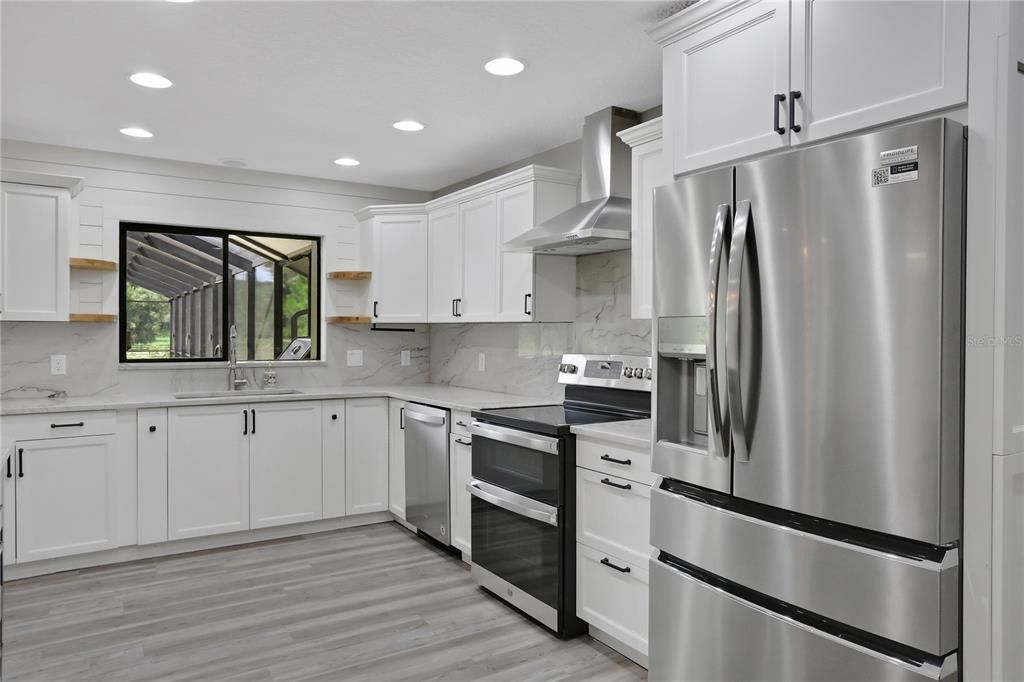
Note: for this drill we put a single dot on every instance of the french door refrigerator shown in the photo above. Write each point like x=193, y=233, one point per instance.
x=808, y=413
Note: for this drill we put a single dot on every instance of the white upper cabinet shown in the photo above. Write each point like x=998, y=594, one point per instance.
x=481, y=253
x=394, y=240
x=650, y=169
x=34, y=265
x=860, y=64
x=721, y=82
x=515, y=216
x=445, y=280
x=750, y=76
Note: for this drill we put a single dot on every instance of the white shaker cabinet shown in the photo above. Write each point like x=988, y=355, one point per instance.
x=65, y=496
x=445, y=247
x=333, y=480
x=396, y=457
x=34, y=241
x=285, y=463
x=394, y=242
x=478, y=220
x=460, y=472
x=151, y=473
x=861, y=64
x=207, y=470
x=366, y=455
x=650, y=170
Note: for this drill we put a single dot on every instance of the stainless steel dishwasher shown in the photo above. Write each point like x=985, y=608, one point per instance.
x=426, y=471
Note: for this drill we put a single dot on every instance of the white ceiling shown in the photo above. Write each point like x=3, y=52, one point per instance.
x=290, y=86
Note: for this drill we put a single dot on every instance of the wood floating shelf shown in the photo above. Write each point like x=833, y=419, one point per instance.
x=349, y=319
x=93, y=264
x=91, y=317
x=349, y=274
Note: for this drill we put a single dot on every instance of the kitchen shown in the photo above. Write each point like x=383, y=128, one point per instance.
x=616, y=342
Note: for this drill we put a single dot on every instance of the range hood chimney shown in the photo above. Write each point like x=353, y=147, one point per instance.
x=602, y=221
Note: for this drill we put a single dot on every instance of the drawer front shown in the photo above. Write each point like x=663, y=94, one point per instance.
x=60, y=425
x=613, y=515
x=611, y=594
x=615, y=459
x=704, y=632
x=460, y=423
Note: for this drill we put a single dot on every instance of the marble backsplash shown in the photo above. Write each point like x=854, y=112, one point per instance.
x=91, y=350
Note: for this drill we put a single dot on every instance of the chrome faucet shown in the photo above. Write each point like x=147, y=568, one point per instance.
x=235, y=382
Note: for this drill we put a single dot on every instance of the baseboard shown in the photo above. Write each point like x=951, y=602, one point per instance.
x=623, y=648
x=134, y=553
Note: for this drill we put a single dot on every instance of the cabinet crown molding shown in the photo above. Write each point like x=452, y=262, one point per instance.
x=71, y=183
x=511, y=179
x=648, y=131
x=368, y=212
x=694, y=18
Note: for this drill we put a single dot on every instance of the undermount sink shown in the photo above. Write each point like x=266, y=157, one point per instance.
x=229, y=394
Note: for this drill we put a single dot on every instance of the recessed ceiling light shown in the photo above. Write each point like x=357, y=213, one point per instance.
x=136, y=132
x=347, y=161
x=504, y=66
x=150, y=80
x=233, y=163
x=409, y=126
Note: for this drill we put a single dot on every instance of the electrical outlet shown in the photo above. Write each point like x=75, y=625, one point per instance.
x=481, y=362
x=406, y=358
x=355, y=358
x=58, y=364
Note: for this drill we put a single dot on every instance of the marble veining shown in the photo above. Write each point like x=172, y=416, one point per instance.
x=603, y=322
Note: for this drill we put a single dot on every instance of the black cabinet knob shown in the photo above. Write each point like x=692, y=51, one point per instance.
x=334, y=417
x=152, y=429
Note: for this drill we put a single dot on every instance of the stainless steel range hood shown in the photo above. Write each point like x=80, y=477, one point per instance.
x=602, y=221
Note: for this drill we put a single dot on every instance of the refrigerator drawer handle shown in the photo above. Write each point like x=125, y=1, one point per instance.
x=513, y=502
x=624, y=462
x=732, y=331
x=779, y=99
x=613, y=484
x=719, y=416
x=609, y=564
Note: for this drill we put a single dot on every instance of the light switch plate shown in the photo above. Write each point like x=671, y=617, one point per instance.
x=406, y=358
x=481, y=363
x=58, y=364
x=355, y=358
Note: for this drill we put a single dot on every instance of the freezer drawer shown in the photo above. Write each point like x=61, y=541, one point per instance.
x=910, y=600
x=703, y=632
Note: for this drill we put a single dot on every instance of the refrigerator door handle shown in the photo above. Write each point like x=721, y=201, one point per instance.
x=732, y=332
x=719, y=416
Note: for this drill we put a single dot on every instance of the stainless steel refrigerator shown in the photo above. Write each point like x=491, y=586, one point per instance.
x=808, y=413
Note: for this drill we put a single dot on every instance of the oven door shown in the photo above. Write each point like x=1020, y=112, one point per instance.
x=528, y=464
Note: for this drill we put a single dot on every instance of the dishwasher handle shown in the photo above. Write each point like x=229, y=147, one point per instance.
x=425, y=418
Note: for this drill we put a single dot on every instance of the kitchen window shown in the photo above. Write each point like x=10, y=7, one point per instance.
x=183, y=290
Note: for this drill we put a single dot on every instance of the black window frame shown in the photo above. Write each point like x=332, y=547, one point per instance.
x=225, y=294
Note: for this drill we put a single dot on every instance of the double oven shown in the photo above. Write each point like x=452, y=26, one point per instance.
x=523, y=485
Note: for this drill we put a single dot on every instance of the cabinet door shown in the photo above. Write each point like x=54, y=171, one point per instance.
x=461, y=472
x=207, y=470
x=515, y=216
x=478, y=220
x=861, y=64
x=366, y=455
x=34, y=253
x=66, y=497
x=399, y=281
x=285, y=463
x=720, y=84
x=152, y=475
x=396, y=458
x=445, y=264
x=650, y=170
x=334, y=458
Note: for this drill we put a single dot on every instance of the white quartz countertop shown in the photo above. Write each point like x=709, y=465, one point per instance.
x=635, y=432
x=452, y=397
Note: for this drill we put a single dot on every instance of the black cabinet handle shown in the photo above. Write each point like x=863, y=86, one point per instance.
x=375, y=309
x=334, y=417
x=455, y=313
x=462, y=424
x=245, y=422
x=458, y=307
x=66, y=426
x=620, y=486
x=609, y=458
x=463, y=442
x=401, y=418
x=21, y=463
x=526, y=304
x=794, y=95
x=8, y=467
x=152, y=429
x=779, y=99
x=254, y=421
x=620, y=569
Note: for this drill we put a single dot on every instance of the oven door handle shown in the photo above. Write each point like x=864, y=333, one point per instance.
x=513, y=502
x=524, y=439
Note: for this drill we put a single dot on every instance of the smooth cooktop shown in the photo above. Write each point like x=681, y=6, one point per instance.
x=552, y=419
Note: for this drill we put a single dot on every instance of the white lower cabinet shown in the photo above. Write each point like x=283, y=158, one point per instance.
x=207, y=470
x=65, y=496
x=333, y=481
x=366, y=455
x=396, y=457
x=611, y=595
x=460, y=472
x=151, y=472
x=613, y=515
x=285, y=463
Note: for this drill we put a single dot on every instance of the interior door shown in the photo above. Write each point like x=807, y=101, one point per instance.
x=843, y=331
x=285, y=463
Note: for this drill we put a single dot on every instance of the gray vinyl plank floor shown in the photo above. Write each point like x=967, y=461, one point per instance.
x=370, y=603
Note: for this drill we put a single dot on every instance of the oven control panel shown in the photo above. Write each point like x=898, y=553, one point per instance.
x=611, y=371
